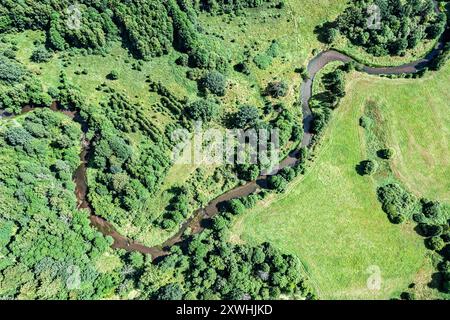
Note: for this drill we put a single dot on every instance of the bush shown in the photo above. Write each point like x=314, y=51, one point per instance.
x=213, y=82
x=330, y=35
x=204, y=110
x=41, y=54
x=17, y=136
x=397, y=202
x=236, y=207
x=368, y=167
x=246, y=116
x=242, y=67
x=365, y=122
x=387, y=153
x=262, y=61
x=113, y=75
x=277, y=183
x=435, y=243
x=277, y=89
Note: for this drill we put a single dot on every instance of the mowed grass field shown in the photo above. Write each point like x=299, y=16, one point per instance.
x=331, y=218
x=417, y=126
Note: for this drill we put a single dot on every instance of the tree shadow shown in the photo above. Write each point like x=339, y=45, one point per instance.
x=321, y=30
x=360, y=168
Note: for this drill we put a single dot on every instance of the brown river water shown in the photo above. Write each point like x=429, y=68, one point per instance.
x=200, y=217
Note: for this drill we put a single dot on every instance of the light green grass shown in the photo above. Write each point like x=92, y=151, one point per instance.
x=417, y=125
x=332, y=220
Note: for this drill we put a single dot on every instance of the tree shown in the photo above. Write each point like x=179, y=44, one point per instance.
x=277, y=183
x=113, y=75
x=330, y=35
x=17, y=136
x=435, y=243
x=236, y=207
x=246, y=116
x=368, y=167
x=277, y=89
x=204, y=110
x=41, y=54
x=171, y=291
x=213, y=82
x=387, y=153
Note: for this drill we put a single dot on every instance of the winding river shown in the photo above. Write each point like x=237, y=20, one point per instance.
x=200, y=217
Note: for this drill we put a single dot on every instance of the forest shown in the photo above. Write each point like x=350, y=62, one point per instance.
x=48, y=247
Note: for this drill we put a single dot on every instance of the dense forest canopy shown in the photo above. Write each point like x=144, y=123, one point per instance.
x=385, y=27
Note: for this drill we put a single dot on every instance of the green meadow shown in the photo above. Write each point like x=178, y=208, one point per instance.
x=331, y=218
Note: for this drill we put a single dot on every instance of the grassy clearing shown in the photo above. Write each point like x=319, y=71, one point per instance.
x=416, y=124
x=332, y=219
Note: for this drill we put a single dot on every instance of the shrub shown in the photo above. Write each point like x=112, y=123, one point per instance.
x=242, y=67
x=213, y=82
x=277, y=89
x=368, y=167
x=330, y=35
x=204, y=110
x=41, y=54
x=277, y=183
x=262, y=61
x=397, y=202
x=435, y=243
x=365, y=122
x=246, y=116
x=387, y=153
x=273, y=50
x=288, y=173
x=236, y=207
x=113, y=75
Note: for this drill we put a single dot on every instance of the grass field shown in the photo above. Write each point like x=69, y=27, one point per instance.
x=417, y=125
x=331, y=218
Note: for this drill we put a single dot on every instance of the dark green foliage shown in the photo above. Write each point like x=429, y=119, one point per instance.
x=235, y=206
x=435, y=243
x=48, y=248
x=396, y=202
x=213, y=82
x=204, y=110
x=321, y=118
x=334, y=82
x=113, y=75
x=247, y=116
x=247, y=172
x=40, y=54
x=210, y=268
x=242, y=67
x=403, y=24
x=277, y=89
x=224, y=6
x=330, y=35
x=171, y=291
x=288, y=173
x=11, y=71
x=367, y=167
x=17, y=136
x=277, y=183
